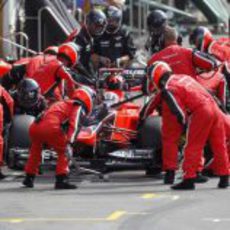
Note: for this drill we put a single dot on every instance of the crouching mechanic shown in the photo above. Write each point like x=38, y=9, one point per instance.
x=27, y=67
x=28, y=99
x=51, y=76
x=6, y=114
x=194, y=107
x=48, y=130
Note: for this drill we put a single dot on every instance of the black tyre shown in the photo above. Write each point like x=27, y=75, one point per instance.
x=150, y=133
x=150, y=138
x=19, y=133
x=18, y=139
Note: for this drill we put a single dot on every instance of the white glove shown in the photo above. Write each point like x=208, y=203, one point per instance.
x=69, y=151
x=118, y=62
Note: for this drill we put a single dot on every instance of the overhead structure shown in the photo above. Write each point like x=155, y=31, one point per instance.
x=216, y=11
x=47, y=23
x=142, y=7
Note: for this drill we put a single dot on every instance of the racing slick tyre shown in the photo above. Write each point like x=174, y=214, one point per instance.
x=150, y=138
x=150, y=133
x=19, y=141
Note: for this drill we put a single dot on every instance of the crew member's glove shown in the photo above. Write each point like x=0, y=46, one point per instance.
x=105, y=61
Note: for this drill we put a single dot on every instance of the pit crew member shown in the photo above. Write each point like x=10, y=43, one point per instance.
x=48, y=129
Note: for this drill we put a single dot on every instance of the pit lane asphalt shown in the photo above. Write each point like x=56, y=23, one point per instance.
x=130, y=200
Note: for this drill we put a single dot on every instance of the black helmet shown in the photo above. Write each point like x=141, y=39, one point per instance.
x=156, y=21
x=96, y=22
x=114, y=18
x=28, y=92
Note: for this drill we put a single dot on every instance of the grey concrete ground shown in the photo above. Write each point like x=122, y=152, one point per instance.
x=128, y=201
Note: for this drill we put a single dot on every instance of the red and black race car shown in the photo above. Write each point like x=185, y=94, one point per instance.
x=112, y=140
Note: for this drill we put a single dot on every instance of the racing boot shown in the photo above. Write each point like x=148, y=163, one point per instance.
x=2, y=176
x=223, y=182
x=28, y=182
x=200, y=178
x=186, y=184
x=169, y=177
x=62, y=182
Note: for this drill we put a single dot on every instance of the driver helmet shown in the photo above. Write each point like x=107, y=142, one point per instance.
x=115, y=82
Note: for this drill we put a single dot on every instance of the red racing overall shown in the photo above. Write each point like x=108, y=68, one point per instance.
x=220, y=51
x=49, y=131
x=195, y=107
x=182, y=61
x=49, y=74
x=6, y=114
x=37, y=62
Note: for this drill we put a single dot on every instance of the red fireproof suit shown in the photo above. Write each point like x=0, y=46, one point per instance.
x=195, y=107
x=50, y=74
x=182, y=61
x=224, y=41
x=215, y=83
x=220, y=51
x=214, y=164
x=37, y=62
x=49, y=131
x=172, y=131
x=6, y=114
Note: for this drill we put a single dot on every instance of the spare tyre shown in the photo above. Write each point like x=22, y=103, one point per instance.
x=19, y=132
x=150, y=133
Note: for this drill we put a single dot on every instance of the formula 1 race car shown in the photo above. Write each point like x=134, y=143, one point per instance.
x=114, y=140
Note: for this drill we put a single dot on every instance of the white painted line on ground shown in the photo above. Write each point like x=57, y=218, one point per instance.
x=137, y=213
x=217, y=220
x=176, y=197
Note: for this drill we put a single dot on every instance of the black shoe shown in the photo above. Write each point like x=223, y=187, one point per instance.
x=2, y=176
x=208, y=173
x=169, y=177
x=223, y=182
x=200, y=178
x=187, y=184
x=62, y=182
x=29, y=181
